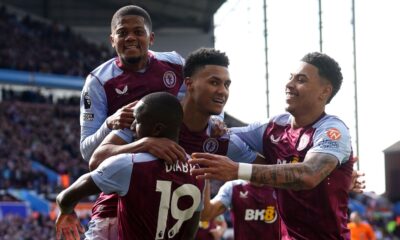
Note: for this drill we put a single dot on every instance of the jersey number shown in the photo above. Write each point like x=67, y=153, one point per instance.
x=165, y=204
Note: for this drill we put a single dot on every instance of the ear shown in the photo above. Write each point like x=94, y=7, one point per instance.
x=326, y=92
x=151, y=38
x=158, y=129
x=112, y=40
x=188, y=82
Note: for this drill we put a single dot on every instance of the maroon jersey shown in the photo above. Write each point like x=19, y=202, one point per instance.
x=156, y=200
x=319, y=213
x=121, y=87
x=202, y=142
x=130, y=86
x=158, y=204
x=253, y=210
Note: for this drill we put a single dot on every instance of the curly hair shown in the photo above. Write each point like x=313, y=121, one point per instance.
x=131, y=10
x=204, y=56
x=327, y=68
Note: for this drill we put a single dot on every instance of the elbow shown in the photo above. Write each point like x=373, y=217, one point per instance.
x=309, y=181
x=308, y=184
x=84, y=152
x=93, y=162
x=60, y=199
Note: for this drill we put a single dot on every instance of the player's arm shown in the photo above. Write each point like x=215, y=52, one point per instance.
x=113, y=144
x=81, y=188
x=94, y=120
x=67, y=223
x=297, y=176
x=91, y=138
x=212, y=208
x=240, y=151
x=319, y=162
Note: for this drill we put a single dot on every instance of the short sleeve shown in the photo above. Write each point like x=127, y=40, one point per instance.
x=114, y=174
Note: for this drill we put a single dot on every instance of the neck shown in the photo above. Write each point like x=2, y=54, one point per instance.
x=302, y=120
x=141, y=64
x=194, y=120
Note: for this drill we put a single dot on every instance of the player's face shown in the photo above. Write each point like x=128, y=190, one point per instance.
x=140, y=126
x=131, y=39
x=209, y=88
x=306, y=90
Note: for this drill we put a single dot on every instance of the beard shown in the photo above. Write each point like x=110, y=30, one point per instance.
x=132, y=60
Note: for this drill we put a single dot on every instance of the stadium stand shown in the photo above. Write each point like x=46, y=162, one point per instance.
x=32, y=45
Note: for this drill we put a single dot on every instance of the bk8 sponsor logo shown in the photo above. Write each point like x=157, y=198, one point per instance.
x=268, y=215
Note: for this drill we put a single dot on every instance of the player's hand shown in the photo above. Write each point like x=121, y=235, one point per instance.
x=122, y=118
x=217, y=233
x=214, y=166
x=164, y=148
x=68, y=226
x=218, y=128
x=357, y=184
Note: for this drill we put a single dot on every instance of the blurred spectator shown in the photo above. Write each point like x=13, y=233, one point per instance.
x=360, y=230
x=31, y=45
x=35, y=227
x=41, y=132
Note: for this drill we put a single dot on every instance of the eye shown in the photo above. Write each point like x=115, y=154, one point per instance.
x=301, y=80
x=227, y=84
x=140, y=32
x=121, y=33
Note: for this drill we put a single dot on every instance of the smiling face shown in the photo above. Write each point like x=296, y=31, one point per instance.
x=209, y=88
x=131, y=39
x=307, y=92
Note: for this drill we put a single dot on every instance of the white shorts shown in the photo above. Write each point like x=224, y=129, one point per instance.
x=102, y=229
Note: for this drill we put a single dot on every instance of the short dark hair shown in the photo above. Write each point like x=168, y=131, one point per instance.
x=131, y=10
x=328, y=68
x=163, y=107
x=204, y=56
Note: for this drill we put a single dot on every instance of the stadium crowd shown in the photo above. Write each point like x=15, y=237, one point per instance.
x=25, y=137
x=32, y=45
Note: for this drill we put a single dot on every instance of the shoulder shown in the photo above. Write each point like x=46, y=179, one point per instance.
x=233, y=183
x=281, y=119
x=106, y=71
x=115, y=164
x=172, y=57
x=331, y=122
x=143, y=157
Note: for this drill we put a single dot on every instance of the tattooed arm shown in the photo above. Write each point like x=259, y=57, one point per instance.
x=297, y=176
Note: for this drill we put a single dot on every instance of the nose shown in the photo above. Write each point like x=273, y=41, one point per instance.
x=223, y=90
x=130, y=36
x=290, y=83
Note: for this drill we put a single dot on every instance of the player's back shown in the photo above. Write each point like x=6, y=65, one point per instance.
x=163, y=200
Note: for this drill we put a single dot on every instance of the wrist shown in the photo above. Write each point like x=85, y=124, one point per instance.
x=244, y=171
